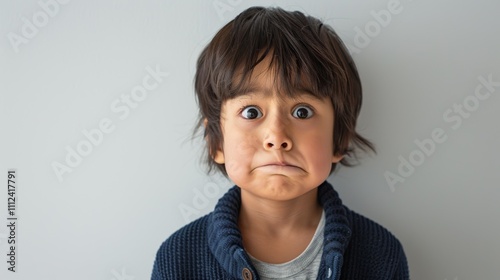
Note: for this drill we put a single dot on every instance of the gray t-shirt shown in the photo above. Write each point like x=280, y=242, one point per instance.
x=305, y=266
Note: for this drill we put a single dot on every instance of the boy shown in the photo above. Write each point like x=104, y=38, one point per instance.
x=279, y=96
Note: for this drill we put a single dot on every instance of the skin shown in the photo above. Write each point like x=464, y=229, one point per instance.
x=278, y=150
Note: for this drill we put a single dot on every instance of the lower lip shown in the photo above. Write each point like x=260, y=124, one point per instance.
x=280, y=169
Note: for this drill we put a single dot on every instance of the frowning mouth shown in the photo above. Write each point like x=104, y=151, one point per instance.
x=278, y=167
x=278, y=164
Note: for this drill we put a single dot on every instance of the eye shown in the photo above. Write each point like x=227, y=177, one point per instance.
x=302, y=112
x=251, y=112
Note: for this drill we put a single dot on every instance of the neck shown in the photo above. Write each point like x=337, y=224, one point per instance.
x=278, y=218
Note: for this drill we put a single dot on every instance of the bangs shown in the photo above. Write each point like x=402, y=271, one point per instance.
x=297, y=57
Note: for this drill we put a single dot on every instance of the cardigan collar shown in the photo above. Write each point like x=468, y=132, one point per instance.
x=225, y=242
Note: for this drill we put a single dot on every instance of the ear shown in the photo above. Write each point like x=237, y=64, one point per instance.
x=218, y=156
x=337, y=158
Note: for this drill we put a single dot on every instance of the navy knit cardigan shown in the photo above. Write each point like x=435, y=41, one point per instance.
x=211, y=247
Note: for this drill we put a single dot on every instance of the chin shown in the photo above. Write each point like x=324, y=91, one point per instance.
x=282, y=190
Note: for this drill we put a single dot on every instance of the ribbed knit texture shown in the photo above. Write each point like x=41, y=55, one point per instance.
x=355, y=247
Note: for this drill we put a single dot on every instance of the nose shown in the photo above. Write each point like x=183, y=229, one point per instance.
x=277, y=137
x=276, y=146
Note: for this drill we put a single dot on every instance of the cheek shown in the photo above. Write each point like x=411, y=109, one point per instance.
x=320, y=149
x=322, y=159
x=239, y=151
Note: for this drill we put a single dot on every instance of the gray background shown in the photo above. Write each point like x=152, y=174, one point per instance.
x=107, y=217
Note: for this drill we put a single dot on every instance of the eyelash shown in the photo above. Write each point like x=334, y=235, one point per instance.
x=306, y=106
x=240, y=111
x=246, y=106
x=250, y=106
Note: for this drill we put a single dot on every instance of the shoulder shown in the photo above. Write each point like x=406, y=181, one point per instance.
x=195, y=251
x=374, y=250
x=188, y=235
x=178, y=253
x=367, y=230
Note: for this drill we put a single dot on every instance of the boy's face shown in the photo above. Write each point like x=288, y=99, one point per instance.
x=274, y=146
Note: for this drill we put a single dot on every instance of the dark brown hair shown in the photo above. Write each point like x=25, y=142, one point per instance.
x=304, y=53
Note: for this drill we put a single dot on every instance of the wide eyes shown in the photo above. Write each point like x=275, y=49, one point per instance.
x=251, y=112
x=302, y=112
x=299, y=112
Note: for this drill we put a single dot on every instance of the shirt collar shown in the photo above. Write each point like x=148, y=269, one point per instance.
x=225, y=242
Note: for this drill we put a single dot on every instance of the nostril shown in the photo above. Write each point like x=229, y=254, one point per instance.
x=283, y=145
